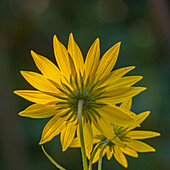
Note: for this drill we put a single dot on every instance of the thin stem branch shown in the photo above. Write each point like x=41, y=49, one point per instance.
x=101, y=153
x=52, y=160
x=92, y=156
x=80, y=108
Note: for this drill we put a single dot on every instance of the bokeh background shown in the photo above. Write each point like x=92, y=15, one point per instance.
x=142, y=26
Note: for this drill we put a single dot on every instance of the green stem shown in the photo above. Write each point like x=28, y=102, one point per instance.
x=83, y=153
x=52, y=160
x=101, y=152
x=92, y=156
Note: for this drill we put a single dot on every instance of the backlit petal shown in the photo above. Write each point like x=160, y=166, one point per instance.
x=124, y=82
x=76, y=54
x=75, y=143
x=109, y=153
x=117, y=115
x=39, y=81
x=119, y=156
x=140, y=118
x=36, y=96
x=47, y=68
x=129, y=152
x=39, y=111
x=140, y=134
x=52, y=128
x=108, y=61
x=92, y=59
x=139, y=146
x=96, y=157
x=121, y=94
x=67, y=135
x=114, y=75
x=127, y=104
x=61, y=55
x=88, y=138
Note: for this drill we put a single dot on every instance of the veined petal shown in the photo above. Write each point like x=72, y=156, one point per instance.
x=127, y=104
x=109, y=153
x=67, y=135
x=39, y=81
x=119, y=156
x=139, y=119
x=75, y=143
x=106, y=129
x=129, y=152
x=124, y=82
x=36, y=96
x=140, y=134
x=96, y=157
x=39, y=111
x=47, y=68
x=108, y=61
x=72, y=66
x=76, y=54
x=92, y=59
x=121, y=94
x=88, y=138
x=139, y=146
x=115, y=75
x=61, y=55
x=117, y=115
x=52, y=128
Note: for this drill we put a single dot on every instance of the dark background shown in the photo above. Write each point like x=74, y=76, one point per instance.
x=143, y=27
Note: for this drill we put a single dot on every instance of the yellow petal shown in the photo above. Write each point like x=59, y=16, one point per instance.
x=72, y=66
x=140, y=134
x=75, y=143
x=92, y=59
x=109, y=153
x=127, y=104
x=88, y=138
x=47, y=68
x=117, y=115
x=119, y=156
x=124, y=82
x=142, y=116
x=139, y=119
x=39, y=81
x=121, y=94
x=106, y=129
x=139, y=146
x=67, y=135
x=108, y=61
x=52, y=128
x=96, y=157
x=61, y=55
x=114, y=75
x=76, y=54
x=36, y=96
x=129, y=152
x=39, y=111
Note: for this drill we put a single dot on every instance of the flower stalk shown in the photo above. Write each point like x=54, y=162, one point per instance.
x=101, y=153
x=52, y=160
x=80, y=109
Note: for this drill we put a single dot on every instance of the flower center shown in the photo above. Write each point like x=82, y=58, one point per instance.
x=119, y=131
x=80, y=90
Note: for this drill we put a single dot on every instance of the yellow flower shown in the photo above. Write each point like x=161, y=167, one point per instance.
x=127, y=135
x=60, y=88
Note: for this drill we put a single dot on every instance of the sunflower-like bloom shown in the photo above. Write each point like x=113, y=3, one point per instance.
x=59, y=90
x=127, y=135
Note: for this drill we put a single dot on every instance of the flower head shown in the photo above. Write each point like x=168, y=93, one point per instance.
x=127, y=135
x=60, y=88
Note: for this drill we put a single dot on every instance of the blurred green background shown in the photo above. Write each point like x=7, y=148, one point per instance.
x=143, y=27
